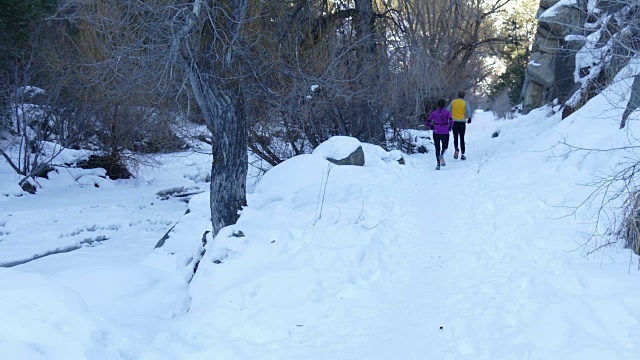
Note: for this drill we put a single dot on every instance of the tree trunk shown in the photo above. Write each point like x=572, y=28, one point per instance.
x=220, y=100
x=225, y=120
x=371, y=128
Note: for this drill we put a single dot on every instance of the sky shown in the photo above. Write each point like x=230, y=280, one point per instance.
x=488, y=258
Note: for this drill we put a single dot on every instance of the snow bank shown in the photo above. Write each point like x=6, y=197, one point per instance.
x=46, y=320
x=294, y=174
x=181, y=247
x=9, y=187
x=306, y=246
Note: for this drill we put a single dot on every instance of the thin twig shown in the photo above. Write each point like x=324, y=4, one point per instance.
x=376, y=225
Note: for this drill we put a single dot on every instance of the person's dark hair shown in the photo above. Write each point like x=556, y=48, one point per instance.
x=441, y=103
x=461, y=94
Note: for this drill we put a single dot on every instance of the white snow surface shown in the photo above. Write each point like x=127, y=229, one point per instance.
x=484, y=259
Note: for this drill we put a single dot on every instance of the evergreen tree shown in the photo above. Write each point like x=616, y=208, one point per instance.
x=17, y=21
x=519, y=28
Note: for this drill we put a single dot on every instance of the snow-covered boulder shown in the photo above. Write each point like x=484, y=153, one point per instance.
x=376, y=155
x=341, y=150
x=310, y=171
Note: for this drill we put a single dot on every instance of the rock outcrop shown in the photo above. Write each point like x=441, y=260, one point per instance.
x=550, y=73
x=578, y=48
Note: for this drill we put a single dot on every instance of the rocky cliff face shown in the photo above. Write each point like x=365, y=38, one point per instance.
x=578, y=48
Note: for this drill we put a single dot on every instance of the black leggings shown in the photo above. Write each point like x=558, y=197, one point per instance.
x=440, y=138
x=459, y=128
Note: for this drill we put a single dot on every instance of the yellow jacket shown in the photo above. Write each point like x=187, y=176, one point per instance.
x=460, y=110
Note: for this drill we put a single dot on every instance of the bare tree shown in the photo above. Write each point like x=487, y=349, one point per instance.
x=326, y=78
x=208, y=44
x=356, y=67
x=140, y=48
x=438, y=48
x=288, y=75
x=32, y=112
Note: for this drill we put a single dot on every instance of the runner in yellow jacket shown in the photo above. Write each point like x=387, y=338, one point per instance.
x=461, y=113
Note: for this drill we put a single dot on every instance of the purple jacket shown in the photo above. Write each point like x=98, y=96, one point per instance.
x=440, y=121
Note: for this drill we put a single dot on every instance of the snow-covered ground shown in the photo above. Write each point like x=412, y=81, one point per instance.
x=484, y=259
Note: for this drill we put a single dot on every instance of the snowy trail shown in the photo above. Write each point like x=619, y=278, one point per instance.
x=447, y=300
x=460, y=288
x=489, y=273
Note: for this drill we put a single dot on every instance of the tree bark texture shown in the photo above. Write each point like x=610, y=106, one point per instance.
x=208, y=58
x=371, y=126
x=226, y=122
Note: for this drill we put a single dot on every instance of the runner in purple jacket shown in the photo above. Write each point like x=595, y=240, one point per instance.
x=441, y=122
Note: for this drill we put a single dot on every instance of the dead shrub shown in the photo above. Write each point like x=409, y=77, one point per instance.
x=629, y=228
